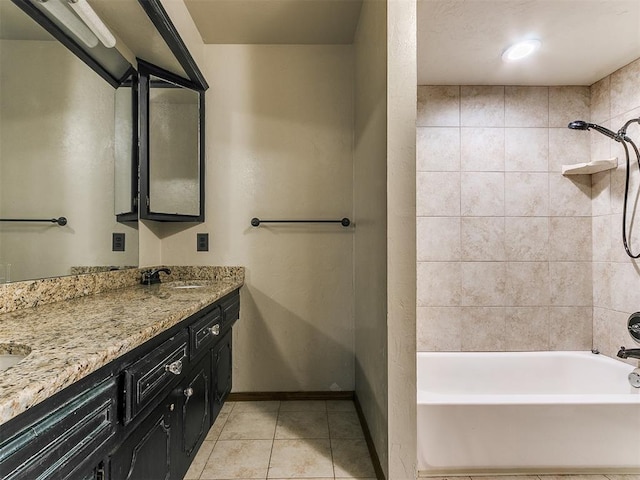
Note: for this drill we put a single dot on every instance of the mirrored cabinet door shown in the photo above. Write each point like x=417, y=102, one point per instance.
x=171, y=147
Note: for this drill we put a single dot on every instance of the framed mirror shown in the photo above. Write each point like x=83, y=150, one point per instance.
x=126, y=150
x=171, y=116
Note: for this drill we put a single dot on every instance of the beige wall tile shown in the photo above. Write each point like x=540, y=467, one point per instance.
x=526, y=106
x=601, y=239
x=438, y=106
x=602, y=147
x=567, y=104
x=567, y=147
x=527, y=284
x=601, y=193
x=624, y=277
x=527, y=328
x=439, y=284
x=617, y=253
x=482, y=239
x=483, y=283
x=482, y=106
x=438, y=149
x=439, y=329
x=527, y=238
x=625, y=94
x=482, y=194
x=569, y=196
x=526, y=194
x=438, y=238
x=602, y=327
x=570, y=283
x=484, y=329
x=601, y=100
x=570, y=328
x=527, y=149
x=438, y=194
x=602, y=284
x=482, y=149
x=570, y=239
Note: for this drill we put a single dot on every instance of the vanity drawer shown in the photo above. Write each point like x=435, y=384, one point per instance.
x=66, y=443
x=231, y=309
x=155, y=373
x=205, y=331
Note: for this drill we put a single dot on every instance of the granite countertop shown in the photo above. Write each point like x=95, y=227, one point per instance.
x=70, y=339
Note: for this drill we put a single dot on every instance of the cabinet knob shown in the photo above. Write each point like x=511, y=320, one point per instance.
x=175, y=367
x=215, y=330
x=188, y=392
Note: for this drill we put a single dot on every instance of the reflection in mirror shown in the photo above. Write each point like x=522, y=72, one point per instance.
x=126, y=150
x=56, y=159
x=174, y=180
x=171, y=146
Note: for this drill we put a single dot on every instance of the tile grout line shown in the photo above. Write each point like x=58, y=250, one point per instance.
x=273, y=440
x=333, y=465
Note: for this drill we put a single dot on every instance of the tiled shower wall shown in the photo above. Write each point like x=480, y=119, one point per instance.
x=616, y=278
x=504, y=240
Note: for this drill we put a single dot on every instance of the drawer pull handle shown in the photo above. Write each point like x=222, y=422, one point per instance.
x=175, y=367
x=188, y=392
x=215, y=330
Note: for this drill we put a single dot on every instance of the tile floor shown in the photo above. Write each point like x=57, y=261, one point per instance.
x=284, y=440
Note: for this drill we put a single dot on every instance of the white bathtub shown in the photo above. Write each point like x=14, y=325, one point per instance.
x=526, y=412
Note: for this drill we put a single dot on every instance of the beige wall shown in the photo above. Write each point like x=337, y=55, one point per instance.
x=504, y=240
x=55, y=162
x=370, y=208
x=616, y=281
x=401, y=237
x=279, y=145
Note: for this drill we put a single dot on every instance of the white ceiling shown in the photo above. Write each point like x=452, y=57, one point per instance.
x=460, y=42
x=298, y=22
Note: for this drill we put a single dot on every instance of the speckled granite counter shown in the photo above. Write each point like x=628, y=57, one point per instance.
x=70, y=339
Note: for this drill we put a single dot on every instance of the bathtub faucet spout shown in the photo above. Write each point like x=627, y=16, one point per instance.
x=629, y=353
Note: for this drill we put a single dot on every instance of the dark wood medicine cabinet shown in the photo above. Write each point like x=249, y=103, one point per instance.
x=140, y=196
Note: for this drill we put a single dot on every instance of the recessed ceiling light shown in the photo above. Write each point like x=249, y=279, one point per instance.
x=520, y=50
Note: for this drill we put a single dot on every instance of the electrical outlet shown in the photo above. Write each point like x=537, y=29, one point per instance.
x=117, y=242
x=202, y=244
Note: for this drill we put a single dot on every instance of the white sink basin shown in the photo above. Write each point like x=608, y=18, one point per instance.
x=8, y=360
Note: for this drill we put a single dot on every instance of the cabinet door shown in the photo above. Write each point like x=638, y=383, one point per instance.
x=221, y=366
x=194, y=408
x=146, y=453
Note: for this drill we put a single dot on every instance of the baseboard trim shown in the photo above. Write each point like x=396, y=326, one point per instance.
x=377, y=467
x=349, y=395
x=283, y=396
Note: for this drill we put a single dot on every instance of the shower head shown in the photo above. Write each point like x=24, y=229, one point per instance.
x=582, y=125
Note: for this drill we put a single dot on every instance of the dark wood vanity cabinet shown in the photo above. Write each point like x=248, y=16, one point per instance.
x=141, y=417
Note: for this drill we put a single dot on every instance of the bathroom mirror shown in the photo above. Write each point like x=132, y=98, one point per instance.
x=57, y=134
x=171, y=146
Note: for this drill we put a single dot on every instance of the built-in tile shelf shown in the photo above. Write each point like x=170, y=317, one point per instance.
x=595, y=166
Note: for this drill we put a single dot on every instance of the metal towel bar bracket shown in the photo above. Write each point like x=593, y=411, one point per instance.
x=345, y=222
x=60, y=221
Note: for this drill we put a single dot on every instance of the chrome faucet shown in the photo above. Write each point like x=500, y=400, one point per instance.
x=151, y=277
x=629, y=353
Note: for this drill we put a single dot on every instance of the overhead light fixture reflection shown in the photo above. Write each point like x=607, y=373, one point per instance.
x=70, y=21
x=92, y=20
x=521, y=50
